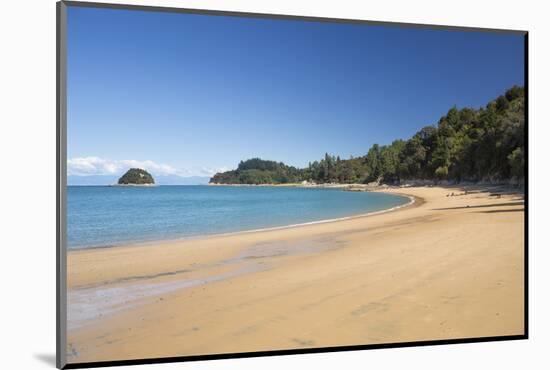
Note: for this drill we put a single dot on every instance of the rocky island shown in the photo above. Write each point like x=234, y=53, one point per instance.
x=136, y=177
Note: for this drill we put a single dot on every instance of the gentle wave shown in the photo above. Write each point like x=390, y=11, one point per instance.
x=111, y=216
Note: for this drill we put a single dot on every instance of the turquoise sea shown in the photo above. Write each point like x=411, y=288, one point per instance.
x=105, y=216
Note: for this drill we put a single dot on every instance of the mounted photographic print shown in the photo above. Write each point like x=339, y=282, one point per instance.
x=236, y=184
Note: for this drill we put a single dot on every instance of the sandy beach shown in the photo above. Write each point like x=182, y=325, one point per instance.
x=444, y=267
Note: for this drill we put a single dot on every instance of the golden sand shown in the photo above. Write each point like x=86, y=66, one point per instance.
x=446, y=267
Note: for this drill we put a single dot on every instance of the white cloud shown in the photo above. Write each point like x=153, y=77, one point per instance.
x=86, y=166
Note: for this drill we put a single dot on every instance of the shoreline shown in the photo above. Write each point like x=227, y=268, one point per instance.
x=412, y=200
x=426, y=271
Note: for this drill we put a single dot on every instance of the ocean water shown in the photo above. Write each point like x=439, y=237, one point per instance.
x=105, y=216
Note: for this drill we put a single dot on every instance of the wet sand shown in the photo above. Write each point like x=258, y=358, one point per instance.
x=445, y=267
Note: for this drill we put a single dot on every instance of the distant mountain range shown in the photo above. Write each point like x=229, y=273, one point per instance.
x=159, y=180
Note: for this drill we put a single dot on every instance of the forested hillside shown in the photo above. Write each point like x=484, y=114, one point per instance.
x=258, y=171
x=136, y=176
x=486, y=144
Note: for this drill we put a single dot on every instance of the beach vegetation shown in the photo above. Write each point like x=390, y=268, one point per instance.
x=468, y=144
x=136, y=176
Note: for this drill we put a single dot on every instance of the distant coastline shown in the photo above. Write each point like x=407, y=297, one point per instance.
x=308, y=185
x=133, y=185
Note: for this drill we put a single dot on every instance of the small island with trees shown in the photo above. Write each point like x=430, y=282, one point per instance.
x=466, y=145
x=136, y=177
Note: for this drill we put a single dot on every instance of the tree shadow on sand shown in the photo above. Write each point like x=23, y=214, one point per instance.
x=483, y=206
x=502, y=210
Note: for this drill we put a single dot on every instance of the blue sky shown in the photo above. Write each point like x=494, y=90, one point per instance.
x=188, y=95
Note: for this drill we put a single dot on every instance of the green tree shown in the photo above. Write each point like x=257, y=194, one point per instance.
x=466, y=144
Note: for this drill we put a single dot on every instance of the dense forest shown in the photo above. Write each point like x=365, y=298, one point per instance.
x=258, y=171
x=473, y=145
